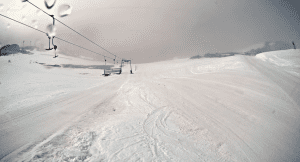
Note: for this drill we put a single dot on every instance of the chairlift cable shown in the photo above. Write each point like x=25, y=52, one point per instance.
x=80, y=46
x=71, y=28
x=55, y=37
x=23, y=24
x=37, y=7
x=85, y=37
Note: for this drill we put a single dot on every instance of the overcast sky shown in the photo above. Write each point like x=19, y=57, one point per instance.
x=155, y=30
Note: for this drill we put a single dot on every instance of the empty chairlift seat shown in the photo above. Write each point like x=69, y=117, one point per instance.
x=116, y=70
x=107, y=72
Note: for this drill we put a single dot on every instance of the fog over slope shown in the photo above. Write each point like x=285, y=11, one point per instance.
x=152, y=30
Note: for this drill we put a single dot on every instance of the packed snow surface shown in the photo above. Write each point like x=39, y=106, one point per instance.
x=238, y=108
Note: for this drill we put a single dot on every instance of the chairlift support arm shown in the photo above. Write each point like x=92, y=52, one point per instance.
x=49, y=42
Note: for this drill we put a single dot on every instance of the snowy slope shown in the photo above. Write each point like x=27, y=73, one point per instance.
x=25, y=81
x=237, y=108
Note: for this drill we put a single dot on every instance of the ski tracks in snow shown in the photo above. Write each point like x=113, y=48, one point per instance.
x=153, y=134
x=141, y=123
x=155, y=138
x=143, y=130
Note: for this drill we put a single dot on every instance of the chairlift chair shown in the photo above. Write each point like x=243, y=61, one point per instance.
x=55, y=47
x=49, y=42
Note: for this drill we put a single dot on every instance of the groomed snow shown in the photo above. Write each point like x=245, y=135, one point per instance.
x=238, y=108
x=25, y=81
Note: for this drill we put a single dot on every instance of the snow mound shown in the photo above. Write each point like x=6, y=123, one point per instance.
x=285, y=59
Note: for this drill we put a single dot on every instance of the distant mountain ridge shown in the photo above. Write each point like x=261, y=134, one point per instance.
x=268, y=46
x=225, y=54
x=14, y=48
